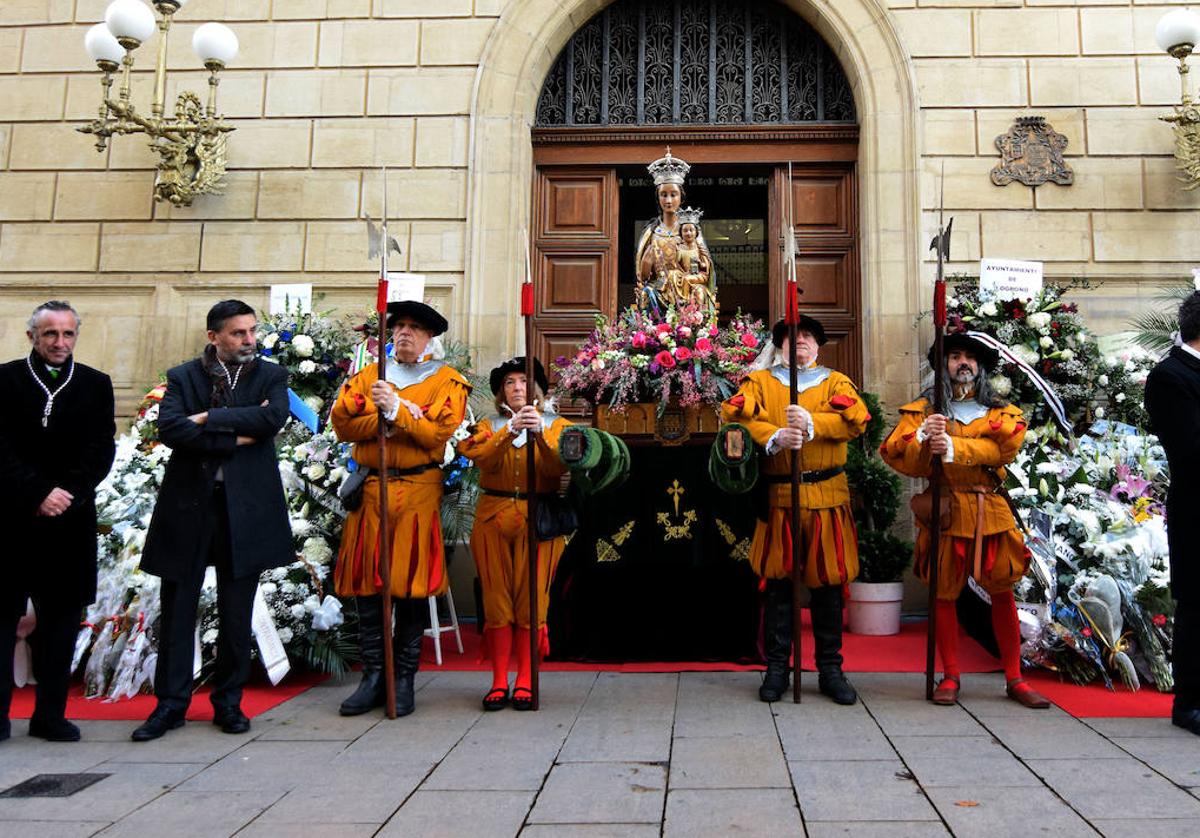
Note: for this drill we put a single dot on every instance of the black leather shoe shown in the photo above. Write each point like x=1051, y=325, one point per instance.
x=1189, y=720
x=55, y=730
x=774, y=684
x=833, y=683
x=232, y=720
x=161, y=720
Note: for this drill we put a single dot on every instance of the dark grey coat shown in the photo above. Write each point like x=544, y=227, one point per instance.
x=258, y=520
x=1173, y=402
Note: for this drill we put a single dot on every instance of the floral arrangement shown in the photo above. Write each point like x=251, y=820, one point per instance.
x=1121, y=386
x=1105, y=505
x=1045, y=332
x=685, y=357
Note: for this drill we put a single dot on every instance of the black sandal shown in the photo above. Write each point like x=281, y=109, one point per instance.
x=496, y=699
x=522, y=703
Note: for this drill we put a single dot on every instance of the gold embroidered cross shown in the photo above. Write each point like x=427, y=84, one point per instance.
x=675, y=492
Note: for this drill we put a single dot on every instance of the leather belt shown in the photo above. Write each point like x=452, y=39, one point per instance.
x=498, y=493
x=808, y=476
x=403, y=472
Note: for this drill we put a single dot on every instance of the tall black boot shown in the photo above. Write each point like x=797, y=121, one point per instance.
x=777, y=639
x=827, y=640
x=370, y=693
x=406, y=650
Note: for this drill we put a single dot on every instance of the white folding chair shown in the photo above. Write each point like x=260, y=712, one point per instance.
x=437, y=628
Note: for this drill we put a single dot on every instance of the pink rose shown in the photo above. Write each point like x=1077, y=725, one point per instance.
x=662, y=327
x=665, y=360
x=682, y=353
x=749, y=340
x=685, y=332
x=703, y=345
x=713, y=331
x=638, y=341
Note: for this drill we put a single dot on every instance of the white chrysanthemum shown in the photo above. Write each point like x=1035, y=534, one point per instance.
x=209, y=637
x=315, y=471
x=316, y=550
x=268, y=588
x=1038, y=320
x=297, y=611
x=1001, y=385
x=989, y=309
x=307, y=367
x=301, y=527
x=270, y=340
x=304, y=345
x=315, y=402
x=1099, y=413
x=1067, y=354
x=1045, y=342
x=285, y=635
x=1102, y=380
x=1120, y=397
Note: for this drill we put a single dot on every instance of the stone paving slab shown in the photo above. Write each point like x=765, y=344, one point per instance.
x=1003, y=813
x=266, y=766
x=602, y=793
x=452, y=814
x=50, y=829
x=868, y=829
x=1176, y=758
x=728, y=762
x=129, y=786
x=1095, y=788
x=1142, y=828
x=196, y=814
x=695, y=813
x=315, y=829
x=1035, y=736
x=591, y=830
x=859, y=791
x=618, y=739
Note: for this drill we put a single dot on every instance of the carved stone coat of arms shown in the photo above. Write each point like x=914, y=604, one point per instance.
x=1032, y=153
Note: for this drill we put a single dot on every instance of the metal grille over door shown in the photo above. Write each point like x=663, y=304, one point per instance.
x=695, y=62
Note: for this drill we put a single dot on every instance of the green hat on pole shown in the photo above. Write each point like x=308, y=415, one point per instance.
x=597, y=460
x=732, y=461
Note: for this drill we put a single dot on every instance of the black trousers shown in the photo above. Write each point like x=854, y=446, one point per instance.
x=180, y=602
x=1185, y=655
x=53, y=643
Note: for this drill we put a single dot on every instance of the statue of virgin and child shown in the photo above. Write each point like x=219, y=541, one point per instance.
x=674, y=267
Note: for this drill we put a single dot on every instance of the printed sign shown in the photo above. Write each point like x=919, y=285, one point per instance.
x=403, y=287
x=291, y=297
x=1010, y=279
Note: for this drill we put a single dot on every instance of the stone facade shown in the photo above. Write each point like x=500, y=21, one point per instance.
x=327, y=91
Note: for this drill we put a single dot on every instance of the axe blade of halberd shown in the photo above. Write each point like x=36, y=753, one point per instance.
x=375, y=236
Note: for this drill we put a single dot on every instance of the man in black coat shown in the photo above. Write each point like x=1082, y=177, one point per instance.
x=221, y=504
x=56, y=446
x=1173, y=402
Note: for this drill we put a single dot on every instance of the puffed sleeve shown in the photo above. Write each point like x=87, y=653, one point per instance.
x=440, y=418
x=486, y=446
x=354, y=416
x=844, y=416
x=747, y=408
x=901, y=450
x=999, y=444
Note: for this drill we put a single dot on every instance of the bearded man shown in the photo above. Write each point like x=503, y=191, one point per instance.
x=977, y=437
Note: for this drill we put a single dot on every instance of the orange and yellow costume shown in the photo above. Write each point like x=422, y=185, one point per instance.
x=417, y=446
x=982, y=447
x=830, y=545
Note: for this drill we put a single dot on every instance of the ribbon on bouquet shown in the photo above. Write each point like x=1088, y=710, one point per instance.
x=270, y=647
x=1052, y=400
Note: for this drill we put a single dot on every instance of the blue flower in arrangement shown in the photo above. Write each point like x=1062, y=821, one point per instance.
x=267, y=353
x=285, y=336
x=453, y=478
x=351, y=465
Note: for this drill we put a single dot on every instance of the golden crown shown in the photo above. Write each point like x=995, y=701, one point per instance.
x=689, y=215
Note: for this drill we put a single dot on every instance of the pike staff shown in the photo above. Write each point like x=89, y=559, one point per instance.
x=940, y=243
x=792, y=316
x=531, y=499
x=384, y=546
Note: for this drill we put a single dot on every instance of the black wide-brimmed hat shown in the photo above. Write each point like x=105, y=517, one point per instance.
x=424, y=314
x=988, y=357
x=808, y=324
x=496, y=379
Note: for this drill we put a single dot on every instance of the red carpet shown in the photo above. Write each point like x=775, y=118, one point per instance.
x=257, y=699
x=1097, y=701
x=903, y=652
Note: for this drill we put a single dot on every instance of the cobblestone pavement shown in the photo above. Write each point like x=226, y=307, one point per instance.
x=627, y=755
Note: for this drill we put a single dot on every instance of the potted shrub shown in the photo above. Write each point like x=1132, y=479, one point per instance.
x=875, y=599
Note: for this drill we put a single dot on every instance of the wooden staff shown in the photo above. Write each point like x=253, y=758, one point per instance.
x=527, y=310
x=385, y=542
x=793, y=321
x=942, y=244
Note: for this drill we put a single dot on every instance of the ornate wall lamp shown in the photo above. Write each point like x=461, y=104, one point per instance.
x=191, y=144
x=1177, y=34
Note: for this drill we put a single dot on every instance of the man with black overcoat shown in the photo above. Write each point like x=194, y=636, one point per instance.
x=221, y=504
x=1173, y=402
x=56, y=446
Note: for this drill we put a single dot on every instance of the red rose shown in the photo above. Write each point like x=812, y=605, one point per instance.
x=703, y=345
x=749, y=340
x=1087, y=632
x=638, y=340
x=662, y=327
x=1160, y=620
x=682, y=353
x=665, y=360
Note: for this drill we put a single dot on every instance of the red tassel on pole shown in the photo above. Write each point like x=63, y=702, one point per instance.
x=381, y=297
x=793, y=304
x=939, y=304
x=527, y=299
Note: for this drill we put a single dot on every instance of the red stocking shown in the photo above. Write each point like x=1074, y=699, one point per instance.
x=500, y=646
x=947, y=638
x=1008, y=633
x=524, y=661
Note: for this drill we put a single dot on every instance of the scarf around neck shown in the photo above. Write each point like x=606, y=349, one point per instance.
x=224, y=377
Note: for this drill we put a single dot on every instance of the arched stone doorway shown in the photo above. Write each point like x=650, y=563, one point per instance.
x=754, y=99
x=521, y=53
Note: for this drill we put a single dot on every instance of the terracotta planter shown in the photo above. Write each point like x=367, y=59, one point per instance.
x=874, y=607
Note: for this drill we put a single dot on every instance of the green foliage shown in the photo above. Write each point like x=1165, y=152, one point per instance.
x=1155, y=330
x=876, y=490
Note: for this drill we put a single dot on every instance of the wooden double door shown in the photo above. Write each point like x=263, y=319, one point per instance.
x=577, y=229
